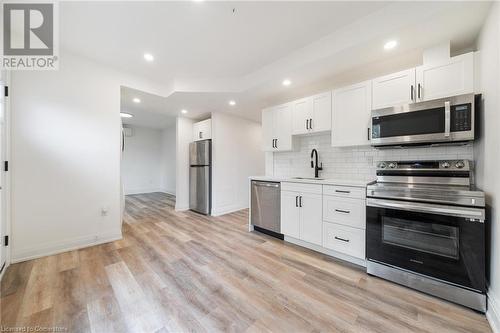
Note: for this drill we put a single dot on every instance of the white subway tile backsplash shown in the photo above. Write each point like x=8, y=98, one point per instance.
x=354, y=162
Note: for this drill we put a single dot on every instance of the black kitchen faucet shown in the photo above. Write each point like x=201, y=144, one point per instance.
x=314, y=164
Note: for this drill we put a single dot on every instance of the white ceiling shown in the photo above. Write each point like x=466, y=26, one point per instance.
x=210, y=54
x=150, y=112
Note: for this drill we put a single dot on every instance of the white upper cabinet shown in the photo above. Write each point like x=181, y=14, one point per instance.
x=277, y=128
x=202, y=130
x=301, y=115
x=321, y=112
x=268, y=130
x=351, y=115
x=394, y=89
x=452, y=77
x=312, y=114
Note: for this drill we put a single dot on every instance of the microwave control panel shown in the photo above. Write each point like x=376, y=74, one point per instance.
x=461, y=117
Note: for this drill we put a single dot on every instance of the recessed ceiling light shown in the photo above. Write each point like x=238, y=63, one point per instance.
x=232, y=103
x=136, y=100
x=390, y=45
x=149, y=57
x=126, y=115
x=287, y=82
x=184, y=111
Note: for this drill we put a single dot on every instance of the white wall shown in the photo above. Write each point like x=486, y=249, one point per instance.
x=184, y=135
x=168, y=163
x=66, y=156
x=236, y=155
x=487, y=149
x=142, y=169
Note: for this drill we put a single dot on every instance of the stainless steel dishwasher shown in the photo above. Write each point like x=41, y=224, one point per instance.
x=266, y=207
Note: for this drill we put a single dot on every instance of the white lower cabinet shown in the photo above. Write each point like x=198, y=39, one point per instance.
x=310, y=219
x=301, y=212
x=325, y=217
x=290, y=214
x=343, y=239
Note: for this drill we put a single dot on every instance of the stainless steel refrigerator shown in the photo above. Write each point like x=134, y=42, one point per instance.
x=200, y=176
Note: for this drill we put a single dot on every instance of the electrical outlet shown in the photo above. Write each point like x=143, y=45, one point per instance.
x=104, y=211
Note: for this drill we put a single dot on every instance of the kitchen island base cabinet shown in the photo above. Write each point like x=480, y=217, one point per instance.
x=290, y=214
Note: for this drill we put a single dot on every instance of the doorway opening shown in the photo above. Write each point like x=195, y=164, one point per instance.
x=148, y=159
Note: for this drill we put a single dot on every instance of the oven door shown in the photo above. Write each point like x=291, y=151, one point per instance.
x=442, y=242
x=443, y=120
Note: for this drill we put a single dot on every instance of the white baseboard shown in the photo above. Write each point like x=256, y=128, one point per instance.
x=171, y=192
x=63, y=246
x=227, y=210
x=321, y=249
x=181, y=208
x=493, y=313
x=143, y=190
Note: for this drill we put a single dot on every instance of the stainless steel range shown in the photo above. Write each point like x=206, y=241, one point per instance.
x=425, y=229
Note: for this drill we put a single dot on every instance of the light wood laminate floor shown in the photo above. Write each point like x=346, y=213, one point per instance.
x=184, y=272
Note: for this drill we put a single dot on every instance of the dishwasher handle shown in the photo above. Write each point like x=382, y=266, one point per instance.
x=265, y=184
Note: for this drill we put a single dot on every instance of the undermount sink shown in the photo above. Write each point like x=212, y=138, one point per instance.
x=308, y=178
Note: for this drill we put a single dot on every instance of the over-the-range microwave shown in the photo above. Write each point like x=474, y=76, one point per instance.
x=438, y=121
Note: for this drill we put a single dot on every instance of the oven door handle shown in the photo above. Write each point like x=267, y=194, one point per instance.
x=469, y=213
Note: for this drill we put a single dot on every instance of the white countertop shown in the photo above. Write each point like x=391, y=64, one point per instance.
x=329, y=181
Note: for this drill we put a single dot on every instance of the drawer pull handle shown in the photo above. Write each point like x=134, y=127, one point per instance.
x=343, y=211
x=341, y=191
x=342, y=239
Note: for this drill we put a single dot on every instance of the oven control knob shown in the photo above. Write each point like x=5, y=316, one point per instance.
x=460, y=164
x=445, y=165
x=382, y=165
x=392, y=165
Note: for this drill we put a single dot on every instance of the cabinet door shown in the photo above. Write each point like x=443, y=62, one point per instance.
x=351, y=115
x=282, y=127
x=321, y=112
x=311, y=222
x=197, y=134
x=205, y=127
x=301, y=115
x=394, y=89
x=453, y=77
x=290, y=214
x=267, y=129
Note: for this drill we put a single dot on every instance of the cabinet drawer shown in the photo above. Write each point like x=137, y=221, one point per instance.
x=347, y=240
x=304, y=188
x=346, y=211
x=345, y=191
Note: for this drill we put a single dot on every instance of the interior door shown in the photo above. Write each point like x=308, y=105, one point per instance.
x=3, y=183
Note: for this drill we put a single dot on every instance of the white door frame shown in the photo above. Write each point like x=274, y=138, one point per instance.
x=6, y=188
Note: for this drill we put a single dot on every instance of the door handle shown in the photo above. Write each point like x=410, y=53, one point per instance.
x=200, y=135
x=368, y=133
x=447, y=118
x=296, y=201
x=310, y=123
x=300, y=201
x=276, y=143
x=341, y=239
x=411, y=92
x=418, y=92
x=343, y=211
x=341, y=191
x=307, y=124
